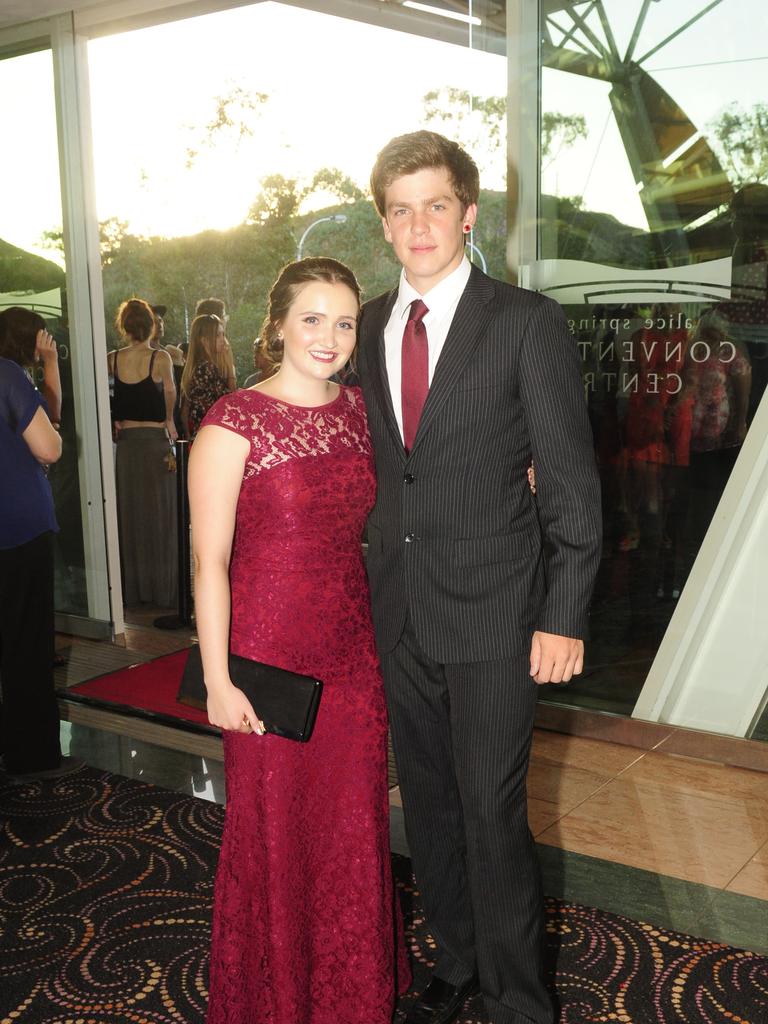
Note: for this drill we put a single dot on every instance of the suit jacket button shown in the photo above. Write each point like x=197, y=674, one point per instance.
x=409, y=538
x=409, y=478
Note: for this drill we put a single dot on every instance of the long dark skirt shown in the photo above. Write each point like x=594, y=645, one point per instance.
x=146, y=517
x=29, y=713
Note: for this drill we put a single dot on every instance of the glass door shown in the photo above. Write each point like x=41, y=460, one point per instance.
x=208, y=190
x=38, y=271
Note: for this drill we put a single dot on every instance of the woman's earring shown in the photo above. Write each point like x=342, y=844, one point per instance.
x=467, y=229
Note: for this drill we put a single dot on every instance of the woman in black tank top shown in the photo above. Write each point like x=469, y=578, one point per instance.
x=143, y=401
x=143, y=397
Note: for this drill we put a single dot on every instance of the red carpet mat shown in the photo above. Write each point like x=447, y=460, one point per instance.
x=143, y=691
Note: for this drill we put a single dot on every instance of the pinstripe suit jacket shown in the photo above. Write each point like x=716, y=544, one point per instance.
x=456, y=541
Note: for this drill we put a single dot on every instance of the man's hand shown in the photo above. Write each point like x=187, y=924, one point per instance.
x=555, y=659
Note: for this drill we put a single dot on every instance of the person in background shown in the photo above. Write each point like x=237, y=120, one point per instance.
x=217, y=308
x=258, y=369
x=214, y=306
x=49, y=383
x=178, y=357
x=305, y=929
x=142, y=410
x=158, y=342
x=206, y=371
x=15, y=345
x=479, y=591
x=29, y=716
x=746, y=312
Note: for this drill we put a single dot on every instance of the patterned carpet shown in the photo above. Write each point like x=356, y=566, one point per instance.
x=105, y=901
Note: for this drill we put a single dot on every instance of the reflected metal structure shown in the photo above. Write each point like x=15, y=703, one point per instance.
x=678, y=176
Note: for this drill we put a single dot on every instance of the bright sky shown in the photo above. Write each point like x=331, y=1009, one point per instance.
x=29, y=184
x=334, y=99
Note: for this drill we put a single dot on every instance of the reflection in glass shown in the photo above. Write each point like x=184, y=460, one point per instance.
x=32, y=275
x=231, y=171
x=653, y=234
x=245, y=167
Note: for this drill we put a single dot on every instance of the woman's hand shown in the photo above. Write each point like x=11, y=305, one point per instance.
x=170, y=426
x=229, y=708
x=45, y=347
x=47, y=354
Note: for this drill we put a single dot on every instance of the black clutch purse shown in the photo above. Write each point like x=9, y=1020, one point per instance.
x=286, y=702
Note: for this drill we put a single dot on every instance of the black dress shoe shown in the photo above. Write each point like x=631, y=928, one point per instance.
x=440, y=1002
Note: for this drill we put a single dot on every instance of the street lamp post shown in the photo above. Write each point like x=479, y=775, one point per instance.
x=336, y=218
x=474, y=249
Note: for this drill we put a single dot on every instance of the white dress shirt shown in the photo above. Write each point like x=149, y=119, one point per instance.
x=441, y=301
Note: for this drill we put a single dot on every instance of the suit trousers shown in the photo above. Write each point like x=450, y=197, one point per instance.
x=29, y=715
x=461, y=735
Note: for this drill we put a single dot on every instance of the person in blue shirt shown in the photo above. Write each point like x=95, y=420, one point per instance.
x=29, y=717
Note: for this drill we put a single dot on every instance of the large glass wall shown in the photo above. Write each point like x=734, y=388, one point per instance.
x=215, y=164
x=32, y=274
x=206, y=186
x=653, y=234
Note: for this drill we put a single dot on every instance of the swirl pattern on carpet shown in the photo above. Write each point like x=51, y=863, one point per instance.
x=105, y=908
x=603, y=968
x=105, y=901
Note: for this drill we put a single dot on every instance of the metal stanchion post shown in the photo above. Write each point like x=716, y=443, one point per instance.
x=184, y=617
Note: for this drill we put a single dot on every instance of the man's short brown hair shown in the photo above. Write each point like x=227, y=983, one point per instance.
x=417, y=151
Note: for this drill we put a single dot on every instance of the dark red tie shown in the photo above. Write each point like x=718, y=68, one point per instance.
x=415, y=371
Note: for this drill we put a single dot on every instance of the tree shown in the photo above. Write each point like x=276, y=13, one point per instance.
x=22, y=271
x=234, y=116
x=278, y=200
x=480, y=123
x=741, y=139
x=111, y=234
x=53, y=240
x=563, y=129
x=335, y=182
x=112, y=231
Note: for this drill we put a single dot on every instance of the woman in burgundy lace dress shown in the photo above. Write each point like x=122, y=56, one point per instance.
x=281, y=480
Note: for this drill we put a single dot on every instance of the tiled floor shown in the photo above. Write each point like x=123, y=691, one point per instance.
x=671, y=839
x=674, y=815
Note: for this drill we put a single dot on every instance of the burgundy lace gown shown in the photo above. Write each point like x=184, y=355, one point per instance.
x=304, y=928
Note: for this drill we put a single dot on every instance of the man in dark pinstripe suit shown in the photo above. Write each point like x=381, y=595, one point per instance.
x=480, y=591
